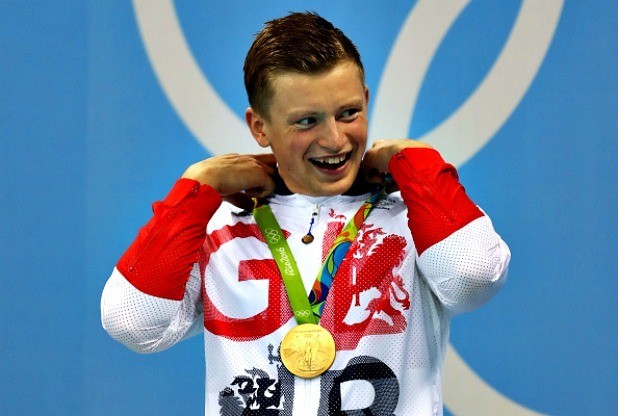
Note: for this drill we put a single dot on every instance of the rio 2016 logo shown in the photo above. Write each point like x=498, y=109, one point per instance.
x=272, y=235
x=207, y=116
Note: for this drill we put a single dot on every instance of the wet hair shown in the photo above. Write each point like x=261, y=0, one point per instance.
x=299, y=42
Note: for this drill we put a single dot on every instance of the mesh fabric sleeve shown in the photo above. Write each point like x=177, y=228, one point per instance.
x=146, y=323
x=460, y=255
x=160, y=259
x=153, y=299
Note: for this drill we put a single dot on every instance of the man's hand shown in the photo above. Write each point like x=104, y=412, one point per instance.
x=374, y=166
x=375, y=162
x=236, y=177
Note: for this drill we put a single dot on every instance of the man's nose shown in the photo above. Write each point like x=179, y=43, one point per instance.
x=332, y=138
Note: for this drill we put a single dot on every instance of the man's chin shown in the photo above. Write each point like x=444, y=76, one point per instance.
x=335, y=188
x=321, y=187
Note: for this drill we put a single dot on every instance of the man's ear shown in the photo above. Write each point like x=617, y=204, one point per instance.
x=257, y=125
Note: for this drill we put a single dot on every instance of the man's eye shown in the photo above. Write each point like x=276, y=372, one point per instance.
x=307, y=121
x=349, y=114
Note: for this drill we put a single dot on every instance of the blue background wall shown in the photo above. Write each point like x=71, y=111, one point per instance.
x=88, y=140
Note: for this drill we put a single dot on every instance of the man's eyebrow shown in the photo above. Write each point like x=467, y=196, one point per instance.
x=357, y=102
x=298, y=114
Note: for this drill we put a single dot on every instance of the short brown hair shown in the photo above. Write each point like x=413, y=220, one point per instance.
x=299, y=42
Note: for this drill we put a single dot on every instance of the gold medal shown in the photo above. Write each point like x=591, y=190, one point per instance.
x=308, y=350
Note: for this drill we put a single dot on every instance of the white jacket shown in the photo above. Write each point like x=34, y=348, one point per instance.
x=388, y=309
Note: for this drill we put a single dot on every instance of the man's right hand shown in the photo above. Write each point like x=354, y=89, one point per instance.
x=236, y=177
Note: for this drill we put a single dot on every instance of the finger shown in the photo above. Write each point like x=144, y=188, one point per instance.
x=240, y=200
x=249, y=172
x=267, y=187
x=369, y=166
x=369, y=173
x=266, y=158
x=261, y=183
x=258, y=192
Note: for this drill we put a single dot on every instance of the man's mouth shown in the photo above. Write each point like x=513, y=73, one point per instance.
x=331, y=162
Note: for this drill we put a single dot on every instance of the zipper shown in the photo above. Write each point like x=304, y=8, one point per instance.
x=315, y=213
x=309, y=237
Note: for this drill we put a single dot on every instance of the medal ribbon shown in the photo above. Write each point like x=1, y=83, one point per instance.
x=271, y=231
x=337, y=252
x=309, y=309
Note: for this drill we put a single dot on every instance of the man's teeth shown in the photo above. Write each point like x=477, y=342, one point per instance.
x=333, y=160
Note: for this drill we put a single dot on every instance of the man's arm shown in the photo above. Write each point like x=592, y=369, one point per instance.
x=153, y=298
x=460, y=255
x=160, y=259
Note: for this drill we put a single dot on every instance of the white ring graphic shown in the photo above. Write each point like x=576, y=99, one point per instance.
x=210, y=120
x=463, y=133
x=272, y=235
x=458, y=138
x=304, y=313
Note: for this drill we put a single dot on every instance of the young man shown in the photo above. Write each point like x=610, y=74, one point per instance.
x=370, y=336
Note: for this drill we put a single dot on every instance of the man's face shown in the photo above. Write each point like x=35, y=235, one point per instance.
x=317, y=129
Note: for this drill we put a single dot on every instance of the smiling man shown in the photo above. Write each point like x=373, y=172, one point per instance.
x=331, y=296
x=316, y=126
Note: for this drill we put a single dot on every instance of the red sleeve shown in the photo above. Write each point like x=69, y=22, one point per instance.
x=160, y=260
x=437, y=203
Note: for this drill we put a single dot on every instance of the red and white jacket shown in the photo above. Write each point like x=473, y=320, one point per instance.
x=423, y=255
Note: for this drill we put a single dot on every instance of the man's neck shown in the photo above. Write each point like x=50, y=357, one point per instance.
x=359, y=187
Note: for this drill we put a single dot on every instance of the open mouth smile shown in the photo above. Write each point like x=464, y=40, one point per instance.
x=331, y=162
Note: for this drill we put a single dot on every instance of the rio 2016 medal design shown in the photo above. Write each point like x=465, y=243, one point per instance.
x=308, y=350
